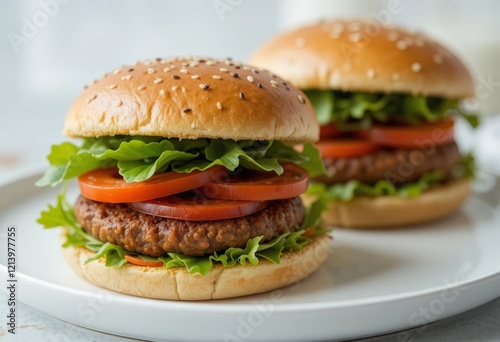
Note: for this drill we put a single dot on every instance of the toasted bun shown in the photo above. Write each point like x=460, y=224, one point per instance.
x=193, y=98
x=220, y=282
x=365, y=56
x=393, y=211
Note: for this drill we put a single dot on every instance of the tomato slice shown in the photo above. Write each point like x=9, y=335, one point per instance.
x=261, y=186
x=329, y=131
x=194, y=206
x=107, y=185
x=437, y=133
x=345, y=148
x=138, y=261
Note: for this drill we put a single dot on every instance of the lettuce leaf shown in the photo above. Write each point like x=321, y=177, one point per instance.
x=61, y=215
x=358, y=110
x=138, y=158
x=347, y=191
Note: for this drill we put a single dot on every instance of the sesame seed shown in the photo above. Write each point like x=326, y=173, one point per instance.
x=175, y=77
x=183, y=89
x=186, y=110
x=437, y=59
x=396, y=77
x=174, y=88
x=195, y=77
x=223, y=70
x=162, y=92
x=242, y=96
x=92, y=98
x=246, y=68
x=335, y=35
x=141, y=87
x=255, y=71
x=167, y=69
x=370, y=73
x=300, y=42
x=354, y=27
x=401, y=45
x=112, y=86
x=416, y=67
x=217, y=77
x=131, y=69
x=126, y=78
x=117, y=71
x=250, y=78
x=259, y=85
x=419, y=42
x=301, y=99
x=151, y=70
x=234, y=74
x=119, y=103
x=209, y=62
x=193, y=125
x=393, y=36
x=274, y=83
x=204, y=86
x=184, y=70
x=219, y=105
x=158, y=80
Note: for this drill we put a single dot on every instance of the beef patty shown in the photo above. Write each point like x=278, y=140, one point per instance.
x=155, y=236
x=396, y=165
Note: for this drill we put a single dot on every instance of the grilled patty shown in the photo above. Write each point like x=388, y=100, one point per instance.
x=396, y=165
x=155, y=236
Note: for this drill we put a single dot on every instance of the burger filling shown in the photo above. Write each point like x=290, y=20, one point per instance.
x=386, y=144
x=184, y=203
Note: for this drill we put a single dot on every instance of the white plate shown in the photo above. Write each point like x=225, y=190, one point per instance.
x=372, y=283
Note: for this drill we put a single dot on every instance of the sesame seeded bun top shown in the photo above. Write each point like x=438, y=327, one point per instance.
x=193, y=98
x=365, y=56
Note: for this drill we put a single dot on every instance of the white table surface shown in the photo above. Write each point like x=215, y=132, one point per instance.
x=480, y=324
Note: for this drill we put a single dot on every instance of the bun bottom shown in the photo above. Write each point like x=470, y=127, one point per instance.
x=220, y=282
x=393, y=211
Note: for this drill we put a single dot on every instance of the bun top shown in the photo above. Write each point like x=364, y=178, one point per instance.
x=193, y=98
x=365, y=56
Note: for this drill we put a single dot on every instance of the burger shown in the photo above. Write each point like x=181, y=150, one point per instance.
x=189, y=183
x=386, y=99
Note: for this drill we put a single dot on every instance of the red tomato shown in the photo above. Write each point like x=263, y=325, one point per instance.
x=329, y=131
x=193, y=206
x=107, y=185
x=261, y=186
x=413, y=136
x=345, y=148
x=138, y=261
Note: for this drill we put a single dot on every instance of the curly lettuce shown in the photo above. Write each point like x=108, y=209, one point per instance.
x=358, y=110
x=138, y=158
x=61, y=215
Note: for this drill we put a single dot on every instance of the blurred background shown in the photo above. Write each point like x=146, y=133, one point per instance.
x=49, y=49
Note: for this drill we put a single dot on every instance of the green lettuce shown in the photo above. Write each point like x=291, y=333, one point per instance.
x=347, y=191
x=61, y=215
x=358, y=110
x=138, y=158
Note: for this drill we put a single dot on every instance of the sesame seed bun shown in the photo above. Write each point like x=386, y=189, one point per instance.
x=193, y=98
x=393, y=211
x=177, y=284
x=365, y=56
